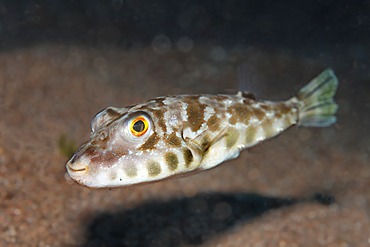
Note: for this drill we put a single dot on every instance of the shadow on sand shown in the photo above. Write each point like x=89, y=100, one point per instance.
x=182, y=221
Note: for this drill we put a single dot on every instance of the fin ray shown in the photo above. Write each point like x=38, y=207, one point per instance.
x=316, y=104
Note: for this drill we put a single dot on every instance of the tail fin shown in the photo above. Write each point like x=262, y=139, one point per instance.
x=316, y=104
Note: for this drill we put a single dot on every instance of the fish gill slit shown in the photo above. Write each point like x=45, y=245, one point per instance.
x=188, y=157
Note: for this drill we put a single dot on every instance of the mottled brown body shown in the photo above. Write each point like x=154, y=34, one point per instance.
x=178, y=134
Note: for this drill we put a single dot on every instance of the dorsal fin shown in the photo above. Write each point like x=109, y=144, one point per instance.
x=246, y=94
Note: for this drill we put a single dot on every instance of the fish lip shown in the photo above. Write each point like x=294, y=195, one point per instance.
x=76, y=168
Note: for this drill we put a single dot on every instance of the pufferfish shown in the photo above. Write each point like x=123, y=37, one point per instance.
x=174, y=135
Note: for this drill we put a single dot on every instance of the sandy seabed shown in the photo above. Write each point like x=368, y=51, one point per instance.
x=307, y=187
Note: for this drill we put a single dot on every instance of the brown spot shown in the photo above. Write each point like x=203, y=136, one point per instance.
x=172, y=161
x=154, y=168
x=195, y=112
x=239, y=113
x=121, y=152
x=213, y=123
x=131, y=171
x=259, y=113
x=173, y=140
x=250, y=134
x=266, y=107
x=232, y=137
x=188, y=157
x=284, y=109
x=150, y=142
x=233, y=119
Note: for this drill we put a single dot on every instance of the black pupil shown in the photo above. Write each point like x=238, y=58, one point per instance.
x=139, y=126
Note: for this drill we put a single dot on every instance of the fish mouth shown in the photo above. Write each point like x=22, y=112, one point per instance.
x=76, y=167
x=77, y=170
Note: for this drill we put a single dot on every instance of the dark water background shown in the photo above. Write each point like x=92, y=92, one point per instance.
x=306, y=25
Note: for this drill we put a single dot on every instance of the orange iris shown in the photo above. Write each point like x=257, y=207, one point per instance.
x=139, y=126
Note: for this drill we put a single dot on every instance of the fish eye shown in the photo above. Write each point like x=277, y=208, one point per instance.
x=139, y=126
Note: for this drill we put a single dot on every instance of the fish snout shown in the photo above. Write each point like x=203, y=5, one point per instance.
x=76, y=166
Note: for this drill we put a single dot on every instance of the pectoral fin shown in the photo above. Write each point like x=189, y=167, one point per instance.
x=200, y=145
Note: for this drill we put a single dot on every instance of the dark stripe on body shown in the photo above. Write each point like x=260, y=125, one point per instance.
x=195, y=112
x=239, y=113
x=173, y=140
x=150, y=142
